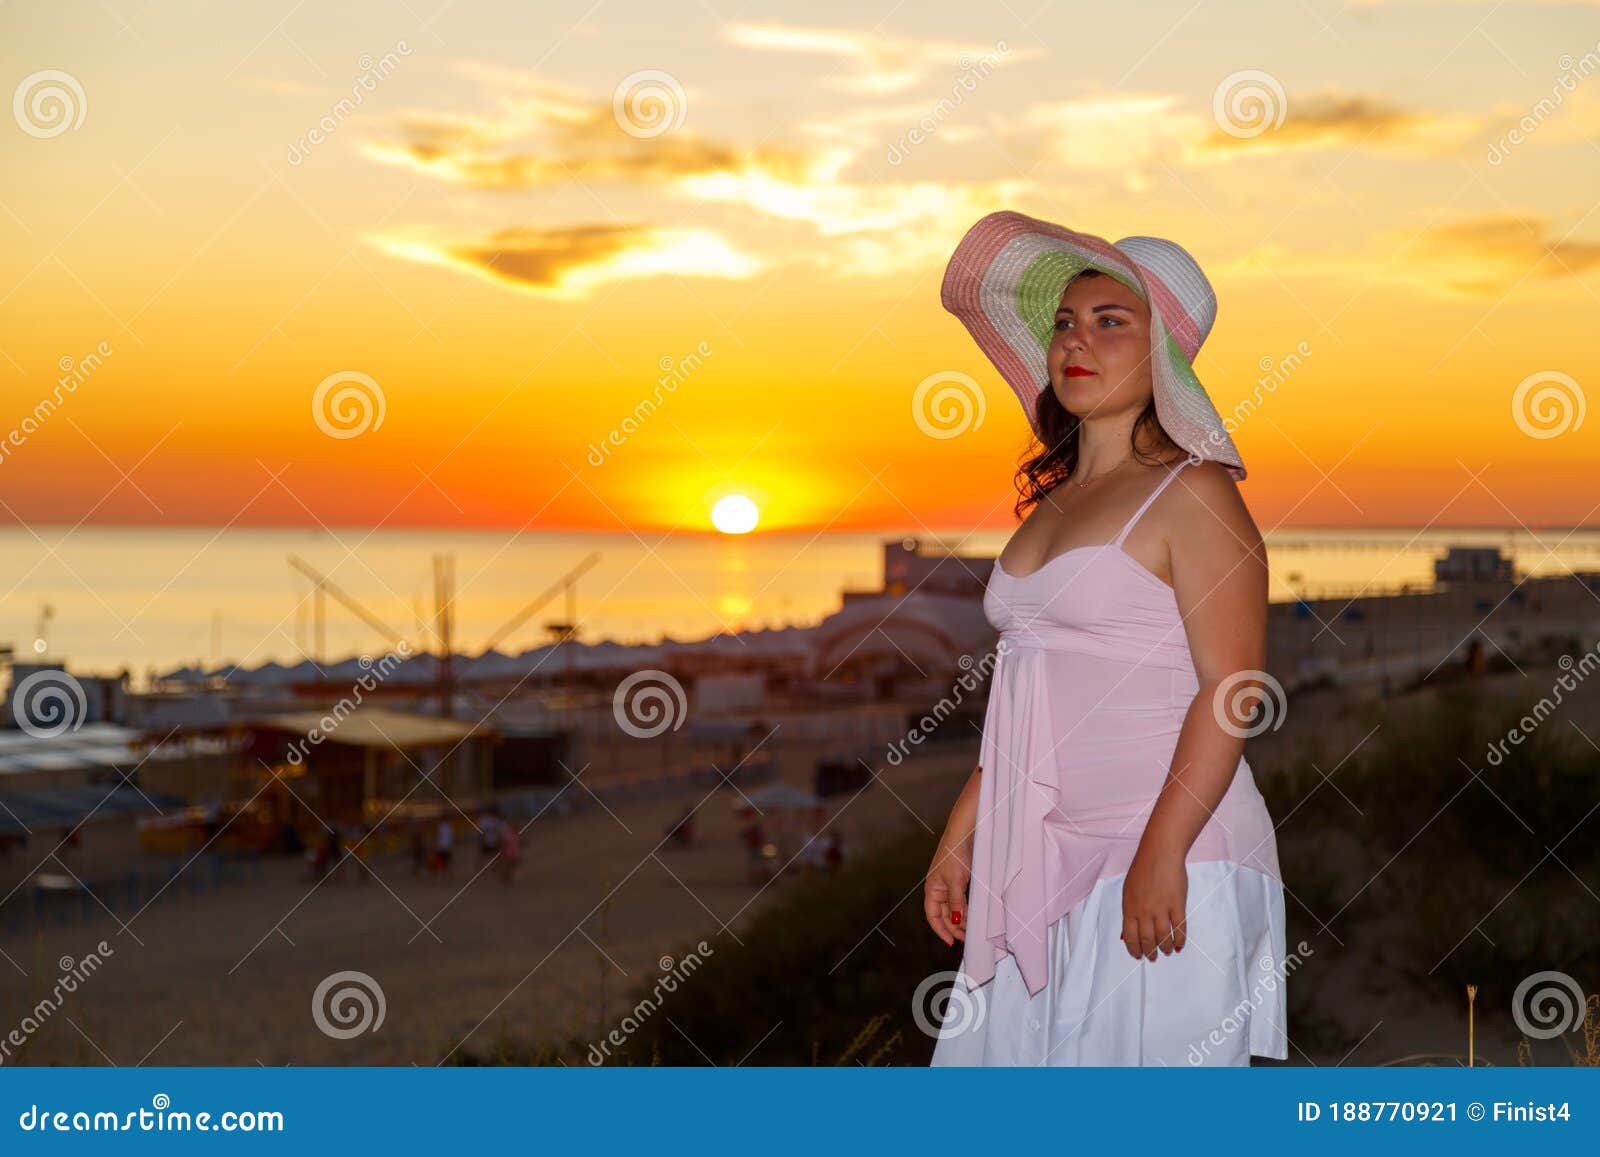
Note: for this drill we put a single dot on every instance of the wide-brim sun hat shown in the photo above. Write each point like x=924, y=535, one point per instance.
x=1004, y=282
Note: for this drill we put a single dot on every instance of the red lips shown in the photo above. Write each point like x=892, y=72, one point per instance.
x=1079, y=372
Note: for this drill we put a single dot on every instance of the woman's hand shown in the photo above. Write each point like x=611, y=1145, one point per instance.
x=1154, y=897
x=944, y=892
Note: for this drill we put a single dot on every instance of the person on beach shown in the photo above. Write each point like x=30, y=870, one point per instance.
x=1110, y=867
x=444, y=839
x=510, y=850
x=490, y=831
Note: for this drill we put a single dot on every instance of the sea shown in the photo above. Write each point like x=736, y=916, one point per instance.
x=105, y=599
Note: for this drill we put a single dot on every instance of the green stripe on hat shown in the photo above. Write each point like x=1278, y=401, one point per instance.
x=1040, y=286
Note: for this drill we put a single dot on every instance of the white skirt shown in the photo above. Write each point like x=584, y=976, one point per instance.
x=1218, y=1002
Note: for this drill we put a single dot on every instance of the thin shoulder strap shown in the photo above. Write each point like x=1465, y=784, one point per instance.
x=1172, y=472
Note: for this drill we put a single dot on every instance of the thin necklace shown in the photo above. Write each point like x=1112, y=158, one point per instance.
x=1097, y=477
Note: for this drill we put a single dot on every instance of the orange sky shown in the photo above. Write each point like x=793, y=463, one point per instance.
x=515, y=255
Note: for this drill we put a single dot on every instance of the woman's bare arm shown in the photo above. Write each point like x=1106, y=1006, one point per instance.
x=963, y=819
x=1219, y=571
x=944, y=891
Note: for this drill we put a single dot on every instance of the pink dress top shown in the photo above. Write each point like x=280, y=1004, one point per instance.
x=1086, y=701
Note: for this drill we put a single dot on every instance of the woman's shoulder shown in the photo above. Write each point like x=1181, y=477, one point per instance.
x=1205, y=503
x=1208, y=479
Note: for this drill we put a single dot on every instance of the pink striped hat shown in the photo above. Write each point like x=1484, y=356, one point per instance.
x=1004, y=282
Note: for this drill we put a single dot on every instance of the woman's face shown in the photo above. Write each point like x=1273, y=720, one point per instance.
x=1102, y=327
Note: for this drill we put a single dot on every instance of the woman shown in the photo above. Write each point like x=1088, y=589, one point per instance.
x=1110, y=867
x=510, y=850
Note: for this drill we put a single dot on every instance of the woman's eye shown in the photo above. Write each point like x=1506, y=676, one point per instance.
x=1065, y=322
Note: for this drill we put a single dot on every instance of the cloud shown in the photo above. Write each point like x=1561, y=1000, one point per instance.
x=1334, y=120
x=874, y=62
x=1479, y=257
x=1105, y=133
x=870, y=229
x=1487, y=254
x=861, y=216
x=1131, y=137
x=571, y=261
x=543, y=136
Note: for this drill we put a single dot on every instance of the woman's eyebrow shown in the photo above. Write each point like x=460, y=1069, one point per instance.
x=1096, y=309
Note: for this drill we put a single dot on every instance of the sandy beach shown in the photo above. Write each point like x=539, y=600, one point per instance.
x=468, y=966
x=226, y=975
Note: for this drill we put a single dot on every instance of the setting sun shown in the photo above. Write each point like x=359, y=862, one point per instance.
x=734, y=514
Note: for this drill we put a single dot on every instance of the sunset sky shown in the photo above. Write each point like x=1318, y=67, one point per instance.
x=514, y=254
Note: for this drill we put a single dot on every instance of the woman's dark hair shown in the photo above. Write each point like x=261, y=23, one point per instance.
x=1057, y=445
